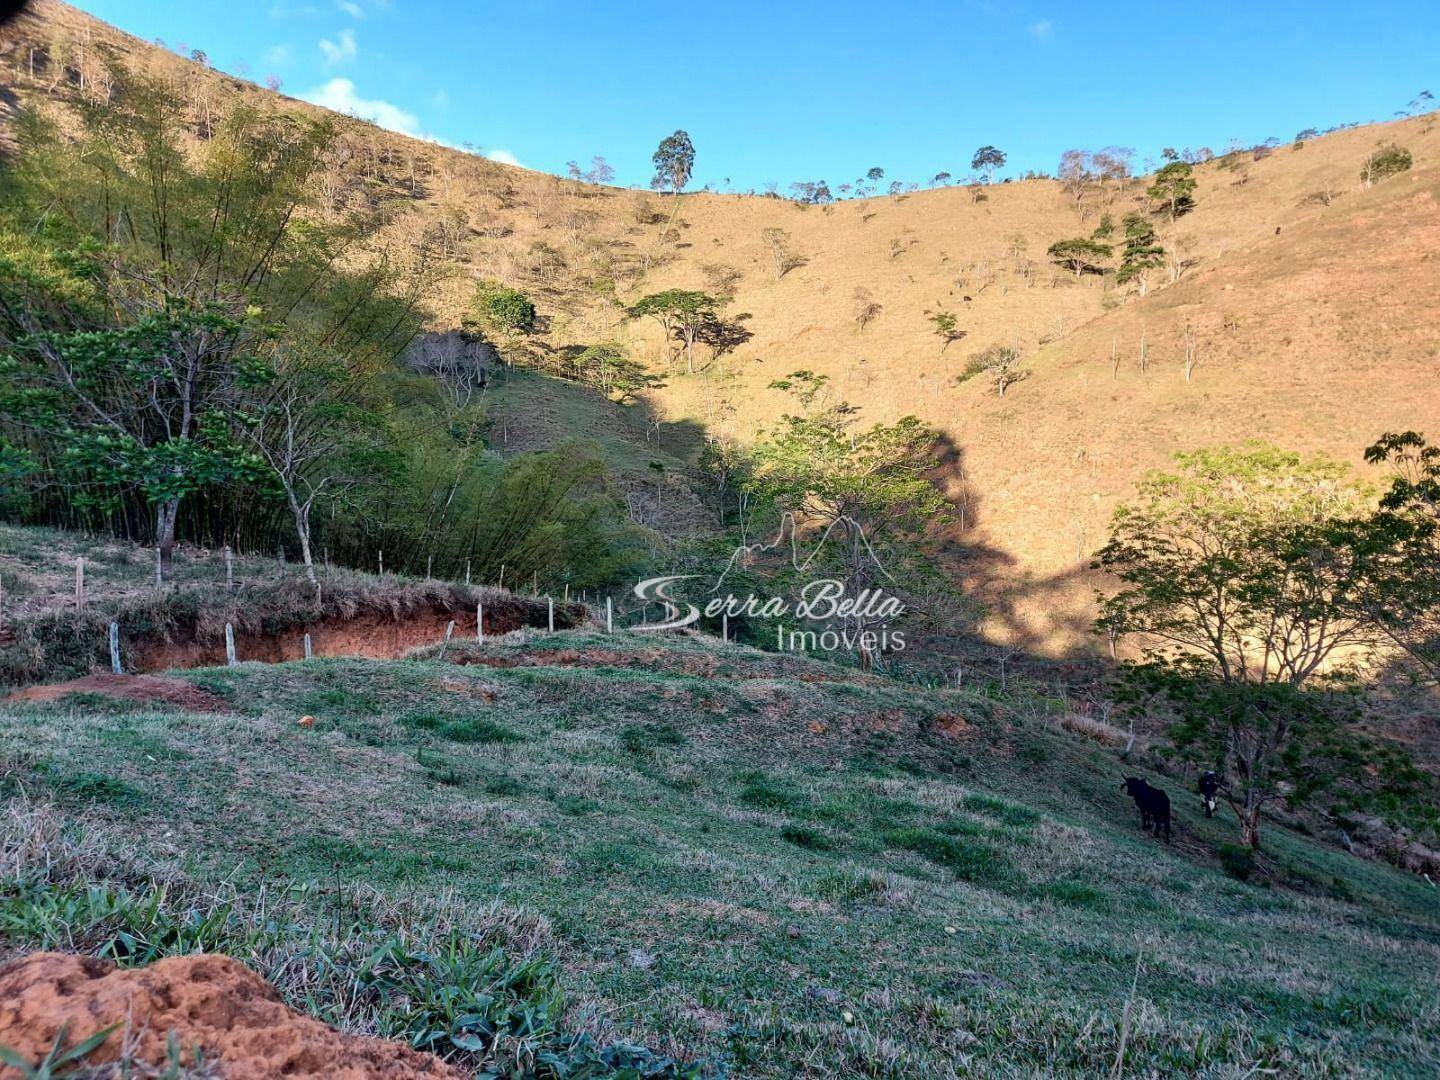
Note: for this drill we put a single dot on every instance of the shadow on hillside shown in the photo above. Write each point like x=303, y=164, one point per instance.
x=1032, y=621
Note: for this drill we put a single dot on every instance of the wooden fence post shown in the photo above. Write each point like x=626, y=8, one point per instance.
x=229, y=567
x=382, y=562
x=551, y=601
x=309, y=652
x=159, y=575
x=467, y=571
x=480, y=622
x=429, y=565
x=230, y=645
x=80, y=583
x=115, y=649
x=502, y=575
x=449, y=629
x=725, y=627
x=609, y=615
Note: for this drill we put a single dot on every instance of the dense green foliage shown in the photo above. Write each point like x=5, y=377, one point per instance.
x=505, y=313
x=1142, y=251
x=192, y=343
x=821, y=496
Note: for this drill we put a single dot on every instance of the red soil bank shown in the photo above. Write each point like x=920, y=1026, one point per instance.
x=212, y=1002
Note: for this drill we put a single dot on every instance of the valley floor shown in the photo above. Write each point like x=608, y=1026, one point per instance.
x=766, y=865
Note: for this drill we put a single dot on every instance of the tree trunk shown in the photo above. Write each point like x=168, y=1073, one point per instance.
x=302, y=527
x=165, y=516
x=1250, y=828
x=1248, y=813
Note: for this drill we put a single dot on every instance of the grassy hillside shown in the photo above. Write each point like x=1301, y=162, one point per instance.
x=766, y=863
x=1307, y=295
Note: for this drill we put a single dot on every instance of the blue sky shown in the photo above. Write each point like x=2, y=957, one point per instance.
x=786, y=91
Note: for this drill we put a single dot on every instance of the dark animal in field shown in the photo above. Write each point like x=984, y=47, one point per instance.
x=1154, y=806
x=1210, y=783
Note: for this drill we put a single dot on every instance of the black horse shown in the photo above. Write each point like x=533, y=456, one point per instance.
x=1154, y=806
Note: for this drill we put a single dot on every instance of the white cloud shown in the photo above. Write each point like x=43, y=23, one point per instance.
x=340, y=50
x=341, y=95
x=349, y=7
x=1042, y=29
x=278, y=55
x=504, y=157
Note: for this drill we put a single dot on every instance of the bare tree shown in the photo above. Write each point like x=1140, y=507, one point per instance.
x=867, y=309
x=458, y=361
x=783, y=257
x=1191, y=342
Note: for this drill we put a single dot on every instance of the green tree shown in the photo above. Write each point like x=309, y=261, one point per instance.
x=144, y=291
x=145, y=406
x=608, y=366
x=1173, y=189
x=1387, y=161
x=674, y=161
x=1080, y=254
x=1239, y=572
x=864, y=494
x=681, y=313
x=946, y=328
x=505, y=315
x=986, y=160
x=1403, y=602
x=1142, y=252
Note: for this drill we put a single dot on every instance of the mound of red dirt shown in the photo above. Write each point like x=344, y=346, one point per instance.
x=210, y=1002
x=159, y=688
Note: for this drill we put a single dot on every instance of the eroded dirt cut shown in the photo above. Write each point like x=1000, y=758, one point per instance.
x=368, y=637
x=210, y=1002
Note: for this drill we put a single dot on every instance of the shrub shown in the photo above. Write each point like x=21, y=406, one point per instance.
x=1237, y=860
x=499, y=307
x=1387, y=161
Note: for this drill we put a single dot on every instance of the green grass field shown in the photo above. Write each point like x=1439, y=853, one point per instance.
x=762, y=864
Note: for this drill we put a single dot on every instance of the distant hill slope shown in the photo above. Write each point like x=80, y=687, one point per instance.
x=1312, y=304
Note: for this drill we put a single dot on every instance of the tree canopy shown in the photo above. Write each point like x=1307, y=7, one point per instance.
x=674, y=161
x=1173, y=189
